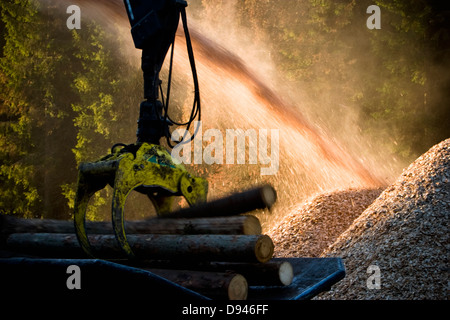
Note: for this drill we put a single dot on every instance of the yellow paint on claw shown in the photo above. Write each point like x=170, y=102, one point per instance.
x=150, y=169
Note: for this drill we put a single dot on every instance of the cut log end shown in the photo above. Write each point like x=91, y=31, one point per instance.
x=251, y=226
x=268, y=195
x=264, y=248
x=286, y=273
x=238, y=288
x=228, y=286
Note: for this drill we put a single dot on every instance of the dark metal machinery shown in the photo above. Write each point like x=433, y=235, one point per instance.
x=145, y=166
x=153, y=27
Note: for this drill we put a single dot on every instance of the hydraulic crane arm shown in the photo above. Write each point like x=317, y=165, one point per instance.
x=145, y=166
x=153, y=27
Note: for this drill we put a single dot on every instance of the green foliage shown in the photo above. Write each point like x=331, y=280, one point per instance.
x=94, y=113
x=63, y=93
x=18, y=192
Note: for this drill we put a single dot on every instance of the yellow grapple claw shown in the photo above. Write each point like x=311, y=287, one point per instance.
x=151, y=170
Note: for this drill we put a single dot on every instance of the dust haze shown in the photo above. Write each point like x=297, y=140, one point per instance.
x=321, y=144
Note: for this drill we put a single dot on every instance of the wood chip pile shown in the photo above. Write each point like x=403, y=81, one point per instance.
x=314, y=225
x=403, y=233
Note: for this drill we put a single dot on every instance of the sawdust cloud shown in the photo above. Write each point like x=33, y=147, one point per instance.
x=241, y=88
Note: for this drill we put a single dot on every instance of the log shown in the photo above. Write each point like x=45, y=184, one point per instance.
x=235, y=204
x=246, y=225
x=271, y=273
x=247, y=248
x=213, y=285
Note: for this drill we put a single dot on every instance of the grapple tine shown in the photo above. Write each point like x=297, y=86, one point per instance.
x=80, y=226
x=85, y=191
x=118, y=203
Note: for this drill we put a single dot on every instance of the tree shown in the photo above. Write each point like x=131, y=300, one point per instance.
x=394, y=79
x=19, y=190
x=66, y=97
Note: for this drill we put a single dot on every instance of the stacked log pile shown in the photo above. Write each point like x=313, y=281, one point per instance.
x=211, y=249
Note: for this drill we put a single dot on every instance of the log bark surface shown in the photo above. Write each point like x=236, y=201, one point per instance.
x=246, y=225
x=271, y=273
x=235, y=204
x=248, y=248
